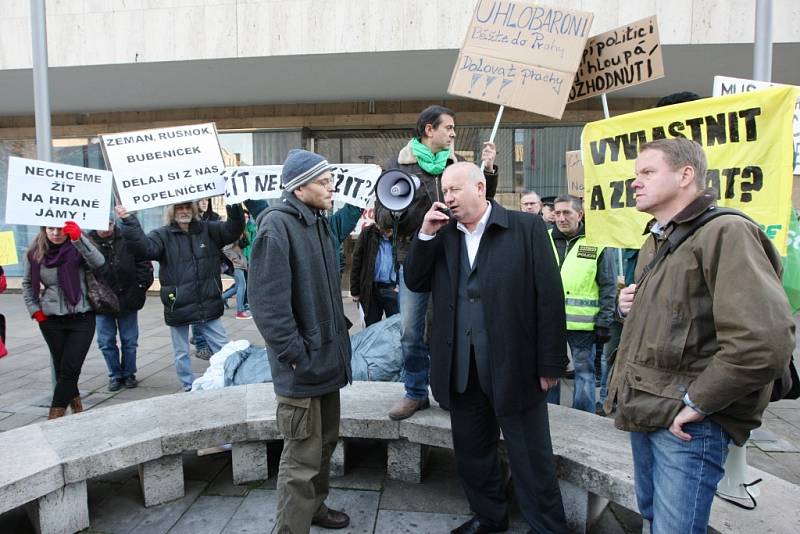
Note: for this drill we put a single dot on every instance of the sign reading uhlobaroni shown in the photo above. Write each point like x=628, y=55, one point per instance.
x=355, y=184
x=165, y=165
x=41, y=193
x=747, y=140
x=521, y=54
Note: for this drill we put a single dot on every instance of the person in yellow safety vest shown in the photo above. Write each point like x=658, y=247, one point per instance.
x=589, y=296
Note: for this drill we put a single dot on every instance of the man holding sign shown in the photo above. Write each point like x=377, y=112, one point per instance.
x=426, y=156
x=188, y=251
x=707, y=330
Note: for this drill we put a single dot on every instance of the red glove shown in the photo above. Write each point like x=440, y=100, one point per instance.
x=72, y=230
x=39, y=316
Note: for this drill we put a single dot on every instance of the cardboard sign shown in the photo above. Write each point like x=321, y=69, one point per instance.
x=165, y=165
x=725, y=85
x=355, y=184
x=746, y=139
x=521, y=54
x=8, y=249
x=626, y=56
x=41, y=193
x=574, y=173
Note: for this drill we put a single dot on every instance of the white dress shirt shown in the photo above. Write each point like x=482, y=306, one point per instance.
x=472, y=239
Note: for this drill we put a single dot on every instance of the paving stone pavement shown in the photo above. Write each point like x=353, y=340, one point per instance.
x=214, y=505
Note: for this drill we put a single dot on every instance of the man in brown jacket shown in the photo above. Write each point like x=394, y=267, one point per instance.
x=707, y=330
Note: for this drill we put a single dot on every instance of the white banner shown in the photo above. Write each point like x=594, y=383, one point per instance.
x=165, y=165
x=355, y=184
x=725, y=85
x=41, y=193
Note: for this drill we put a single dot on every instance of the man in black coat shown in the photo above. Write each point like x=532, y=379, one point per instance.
x=129, y=279
x=188, y=251
x=498, y=345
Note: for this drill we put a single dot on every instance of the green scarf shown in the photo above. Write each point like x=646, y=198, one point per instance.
x=431, y=163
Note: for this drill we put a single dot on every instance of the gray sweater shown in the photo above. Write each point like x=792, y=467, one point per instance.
x=52, y=301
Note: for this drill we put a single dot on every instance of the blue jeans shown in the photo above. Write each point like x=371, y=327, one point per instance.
x=416, y=360
x=128, y=326
x=581, y=344
x=214, y=334
x=239, y=288
x=675, y=479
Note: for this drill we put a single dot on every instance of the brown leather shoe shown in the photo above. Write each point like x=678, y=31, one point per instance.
x=55, y=413
x=331, y=519
x=76, y=405
x=406, y=408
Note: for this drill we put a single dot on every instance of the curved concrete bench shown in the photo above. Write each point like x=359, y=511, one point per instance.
x=45, y=466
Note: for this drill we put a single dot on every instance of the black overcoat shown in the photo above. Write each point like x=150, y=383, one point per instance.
x=523, y=303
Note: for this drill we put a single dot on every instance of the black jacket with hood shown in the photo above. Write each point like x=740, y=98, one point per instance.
x=189, y=264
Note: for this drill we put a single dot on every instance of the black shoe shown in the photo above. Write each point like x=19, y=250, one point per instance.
x=115, y=384
x=131, y=382
x=332, y=519
x=477, y=526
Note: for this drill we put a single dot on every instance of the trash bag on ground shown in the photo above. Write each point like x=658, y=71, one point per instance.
x=377, y=356
x=248, y=366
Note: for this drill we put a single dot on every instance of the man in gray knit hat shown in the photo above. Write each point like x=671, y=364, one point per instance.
x=296, y=301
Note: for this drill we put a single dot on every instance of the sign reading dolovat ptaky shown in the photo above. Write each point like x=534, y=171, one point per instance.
x=747, y=139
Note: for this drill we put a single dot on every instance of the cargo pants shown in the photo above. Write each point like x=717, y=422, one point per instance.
x=310, y=429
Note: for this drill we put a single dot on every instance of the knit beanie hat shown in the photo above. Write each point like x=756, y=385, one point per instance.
x=301, y=167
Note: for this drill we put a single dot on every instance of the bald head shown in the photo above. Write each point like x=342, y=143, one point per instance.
x=464, y=189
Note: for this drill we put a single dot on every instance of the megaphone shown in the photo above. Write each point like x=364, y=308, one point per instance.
x=735, y=484
x=396, y=189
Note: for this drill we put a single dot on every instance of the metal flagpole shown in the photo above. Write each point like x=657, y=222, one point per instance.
x=762, y=49
x=41, y=91
x=494, y=130
x=41, y=96
x=620, y=262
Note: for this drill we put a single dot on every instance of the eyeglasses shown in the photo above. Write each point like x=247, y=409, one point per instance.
x=324, y=182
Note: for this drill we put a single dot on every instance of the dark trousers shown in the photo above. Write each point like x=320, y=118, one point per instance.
x=68, y=337
x=476, y=435
x=383, y=299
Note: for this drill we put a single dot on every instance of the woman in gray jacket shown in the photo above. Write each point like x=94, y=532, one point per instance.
x=54, y=288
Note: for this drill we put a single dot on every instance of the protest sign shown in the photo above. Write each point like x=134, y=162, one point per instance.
x=8, y=249
x=626, y=56
x=574, y=173
x=41, y=193
x=521, y=54
x=355, y=184
x=725, y=85
x=746, y=139
x=165, y=165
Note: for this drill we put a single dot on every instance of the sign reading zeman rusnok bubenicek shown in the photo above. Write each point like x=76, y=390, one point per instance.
x=355, y=183
x=521, y=54
x=625, y=56
x=165, y=165
x=747, y=141
x=41, y=193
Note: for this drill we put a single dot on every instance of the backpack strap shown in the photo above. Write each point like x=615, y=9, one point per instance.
x=683, y=231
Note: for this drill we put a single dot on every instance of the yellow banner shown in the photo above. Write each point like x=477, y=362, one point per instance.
x=747, y=139
x=8, y=249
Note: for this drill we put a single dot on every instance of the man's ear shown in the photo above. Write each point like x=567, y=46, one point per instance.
x=687, y=175
x=428, y=130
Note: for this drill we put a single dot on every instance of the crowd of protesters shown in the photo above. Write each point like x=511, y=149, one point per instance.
x=507, y=298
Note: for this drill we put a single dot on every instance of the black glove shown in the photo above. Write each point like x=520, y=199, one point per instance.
x=601, y=334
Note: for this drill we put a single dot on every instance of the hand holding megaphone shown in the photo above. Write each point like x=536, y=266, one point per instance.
x=434, y=219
